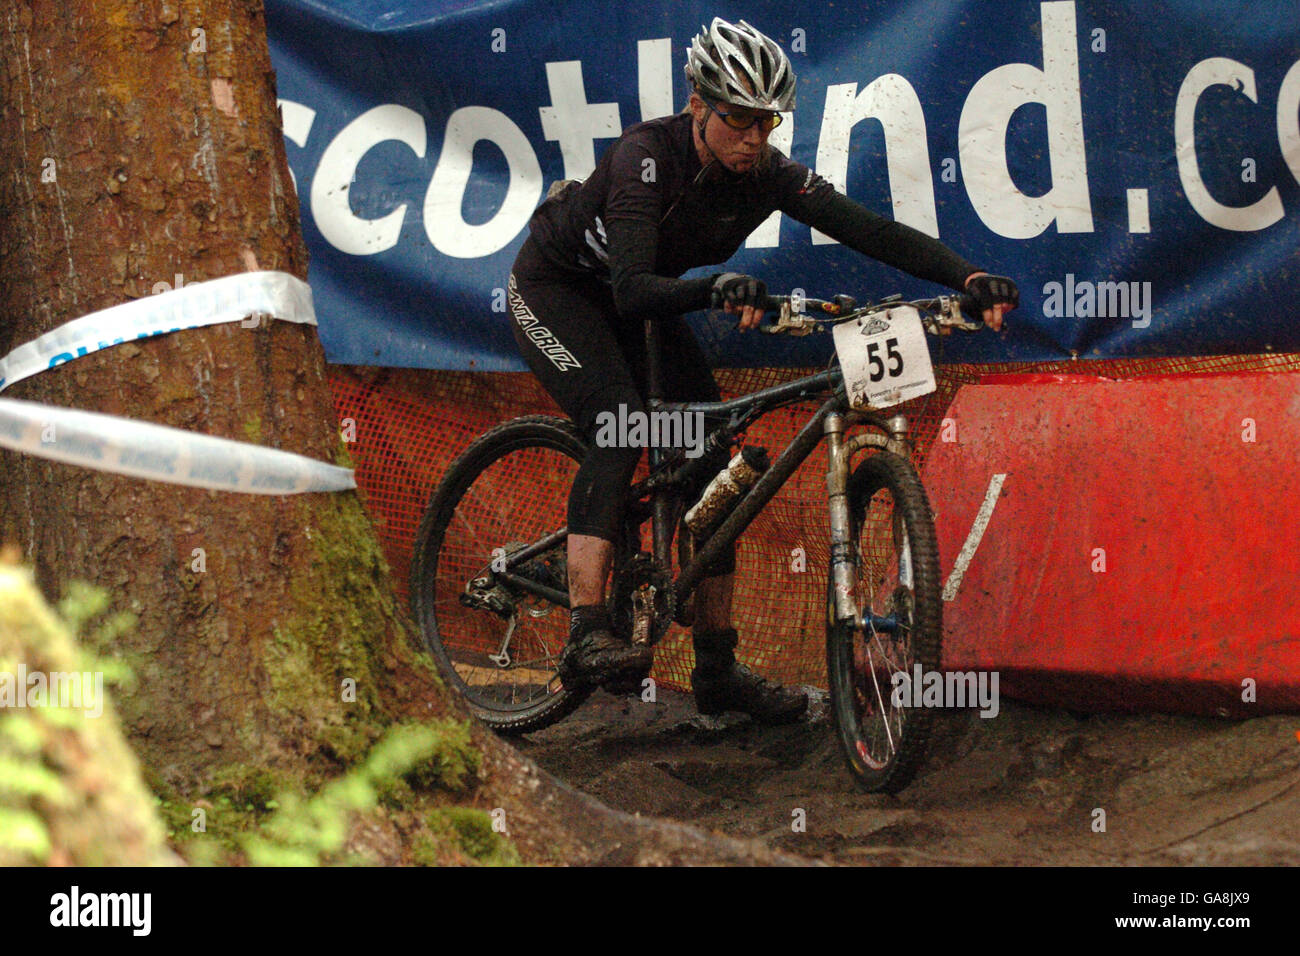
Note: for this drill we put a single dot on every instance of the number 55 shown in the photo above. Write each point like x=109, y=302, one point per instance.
x=878, y=366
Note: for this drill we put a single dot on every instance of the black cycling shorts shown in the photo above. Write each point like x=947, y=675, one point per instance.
x=590, y=360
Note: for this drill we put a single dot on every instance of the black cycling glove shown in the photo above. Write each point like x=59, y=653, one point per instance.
x=739, y=290
x=988, y=291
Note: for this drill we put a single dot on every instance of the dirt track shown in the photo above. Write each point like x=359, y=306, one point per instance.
x=1020, y=788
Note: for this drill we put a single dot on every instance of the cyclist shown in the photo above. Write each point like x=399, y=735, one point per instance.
x=603, y=255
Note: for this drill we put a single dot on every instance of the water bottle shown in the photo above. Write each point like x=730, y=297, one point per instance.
x=726, y=488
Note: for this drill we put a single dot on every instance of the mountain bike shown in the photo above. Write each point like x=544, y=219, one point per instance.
x=489, y=582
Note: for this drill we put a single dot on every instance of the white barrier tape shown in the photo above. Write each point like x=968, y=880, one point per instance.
x=161, y=453
x=228, y=299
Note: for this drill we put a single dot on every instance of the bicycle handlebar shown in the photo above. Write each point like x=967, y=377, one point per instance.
x=799, y=314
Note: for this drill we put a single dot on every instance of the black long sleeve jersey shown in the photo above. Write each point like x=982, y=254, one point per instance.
x=650, y=211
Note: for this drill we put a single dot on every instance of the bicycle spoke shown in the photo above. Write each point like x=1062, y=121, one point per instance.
x=884, y=711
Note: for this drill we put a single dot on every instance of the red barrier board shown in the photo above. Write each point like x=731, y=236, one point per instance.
x=1141, y=552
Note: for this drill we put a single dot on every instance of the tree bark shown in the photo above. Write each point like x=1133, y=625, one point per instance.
x=156, y=129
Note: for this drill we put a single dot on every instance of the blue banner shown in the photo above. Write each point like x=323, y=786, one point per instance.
x=1135, y=167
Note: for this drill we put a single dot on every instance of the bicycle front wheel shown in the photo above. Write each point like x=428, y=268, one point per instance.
x=496, y=642
x=899, y=625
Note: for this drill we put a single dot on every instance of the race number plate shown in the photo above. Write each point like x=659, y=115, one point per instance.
x=885, y=358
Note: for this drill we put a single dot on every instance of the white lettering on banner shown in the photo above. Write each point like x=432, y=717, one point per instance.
x=1288, y=119
x=443, y=223
x=573, y=122
x=654, y=77
x=1214, y=72
x=576, y=126
x=891, y=100
x=296, y=120
x=982, y=137
x=330, y=206
x=974, y=537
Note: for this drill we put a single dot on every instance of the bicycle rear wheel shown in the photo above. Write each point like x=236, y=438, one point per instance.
x=899, y=607
x=497, y=643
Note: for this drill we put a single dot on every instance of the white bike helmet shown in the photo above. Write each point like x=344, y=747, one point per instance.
x=726, y=61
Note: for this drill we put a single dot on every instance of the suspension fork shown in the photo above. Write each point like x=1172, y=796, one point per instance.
x=840, y=452
x=843, y=559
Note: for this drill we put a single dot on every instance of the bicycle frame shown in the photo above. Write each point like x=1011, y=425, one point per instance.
x=831, y=421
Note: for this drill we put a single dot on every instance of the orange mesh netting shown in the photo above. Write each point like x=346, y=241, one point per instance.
x=411, y=424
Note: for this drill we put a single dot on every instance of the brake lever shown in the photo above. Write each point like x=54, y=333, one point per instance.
x=790, y=322
x=948, y=317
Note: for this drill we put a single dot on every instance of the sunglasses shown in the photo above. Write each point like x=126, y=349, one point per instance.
x=767, y=121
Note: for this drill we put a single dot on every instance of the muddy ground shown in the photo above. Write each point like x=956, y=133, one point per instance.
x=1022, y=788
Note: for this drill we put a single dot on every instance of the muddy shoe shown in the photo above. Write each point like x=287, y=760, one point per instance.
x=722, y=684
x=594, y=656
x=631, y=683
x=599, y=659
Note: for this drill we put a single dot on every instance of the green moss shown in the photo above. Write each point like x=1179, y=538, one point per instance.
x=394, y=794
x=323, y=642
x=343, y=457
x=312, y=831
x=453, y=763
x=252, y=788
x=428, y=851
x=473, y=833
x=253, y=429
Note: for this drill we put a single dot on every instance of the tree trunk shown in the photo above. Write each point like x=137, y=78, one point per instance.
x=156, y=129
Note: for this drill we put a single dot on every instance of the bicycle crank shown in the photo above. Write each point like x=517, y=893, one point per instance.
x=644, y=600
